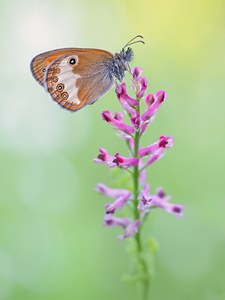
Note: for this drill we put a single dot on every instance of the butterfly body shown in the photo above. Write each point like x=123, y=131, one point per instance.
x=75, y=77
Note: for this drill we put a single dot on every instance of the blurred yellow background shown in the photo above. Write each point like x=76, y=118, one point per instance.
x=52, y=242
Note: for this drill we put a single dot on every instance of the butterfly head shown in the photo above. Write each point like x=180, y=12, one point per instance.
x=127, y=55
x=120, y=62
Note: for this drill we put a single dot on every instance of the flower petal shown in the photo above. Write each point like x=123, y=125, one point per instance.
x=153, y=102
x=110, y=192
x=163, y=142
x=110, y=220
x=136, y=72
x=119, y=124
x=105, y=158
x=176, y=209
x=125, y=162
x=130, y=230
x=143, y=83
x=111, y=208
x=123, y=96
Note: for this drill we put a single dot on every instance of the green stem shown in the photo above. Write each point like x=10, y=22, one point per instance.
x=141, y=259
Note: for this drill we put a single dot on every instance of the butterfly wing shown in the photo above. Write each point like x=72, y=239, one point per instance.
x=76, y=77
x=41, y=62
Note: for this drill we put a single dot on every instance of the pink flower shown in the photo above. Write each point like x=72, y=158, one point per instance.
x=156, y=151
x=110, y=220
x=121, y=196
x=116, y=160
x=153, y=103
x=125, y=162
x=130, y=230
x=123, y=96
x=130, y=227
x=105, y=158
x=163, y=142
x=111, y=208
x=135, y=120
x=162, y=202
x=142, y=177
x=117, y=122
x=159, y=200
x=110, y=192
x=149, y=99
x=136, y=72
x=139, y=83
x=143, y=83
x=145, y=197
x=155, y=157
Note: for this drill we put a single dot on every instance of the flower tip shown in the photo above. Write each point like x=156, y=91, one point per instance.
x=149, y=99
x=178, y=210
x=118, y=116
x=120, y=89
x=100, y=188
x=160, y=95
x=106, y=116
x=166, y=141
x=136, y=72
x=160, y=192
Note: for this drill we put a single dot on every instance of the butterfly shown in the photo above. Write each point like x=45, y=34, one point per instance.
x=75, y=77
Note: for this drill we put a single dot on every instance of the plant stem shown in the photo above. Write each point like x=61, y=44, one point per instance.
x=141, y=259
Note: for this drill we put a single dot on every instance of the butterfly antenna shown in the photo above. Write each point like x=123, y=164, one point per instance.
x=131, y=42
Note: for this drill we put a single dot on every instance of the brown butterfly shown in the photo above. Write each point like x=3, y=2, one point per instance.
x=75, y=77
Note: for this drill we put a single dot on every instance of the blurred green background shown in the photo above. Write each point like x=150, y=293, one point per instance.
x=52, y=242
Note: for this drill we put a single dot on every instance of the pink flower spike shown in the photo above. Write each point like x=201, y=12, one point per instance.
x=105, y=158
x=130, y=230
x=111, y=208
x=110, y=192
x=123, y=96
x=119, y=124
x=125, y=162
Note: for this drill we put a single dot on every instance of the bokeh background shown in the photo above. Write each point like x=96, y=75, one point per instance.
x=52, y=242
